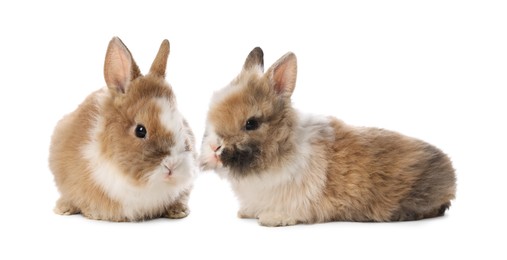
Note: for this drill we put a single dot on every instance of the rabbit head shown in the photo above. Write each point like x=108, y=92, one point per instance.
x=250, y=121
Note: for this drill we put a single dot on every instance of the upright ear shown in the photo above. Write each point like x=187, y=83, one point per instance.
x=282, y=74
x=159, y=64
x=119, y=66
x=255, y=60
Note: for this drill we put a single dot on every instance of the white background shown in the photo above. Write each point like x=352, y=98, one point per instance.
x=435, y=70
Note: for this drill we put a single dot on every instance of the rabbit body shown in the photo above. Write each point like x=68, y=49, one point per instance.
x=287, y=167
x=126, y=153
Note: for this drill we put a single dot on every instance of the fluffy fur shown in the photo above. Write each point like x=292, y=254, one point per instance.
x=102, y=169
x=287, y=167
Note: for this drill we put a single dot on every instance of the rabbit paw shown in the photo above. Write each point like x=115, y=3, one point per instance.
x=65, y=208
x=242, y=213
x=276, y=220
x=178, y=210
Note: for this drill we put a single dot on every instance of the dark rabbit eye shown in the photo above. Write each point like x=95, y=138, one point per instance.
x=251, y=124
x=140, y=131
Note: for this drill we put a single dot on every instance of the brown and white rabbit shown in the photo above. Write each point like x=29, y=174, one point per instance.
x=287, y=167
x=126, y=153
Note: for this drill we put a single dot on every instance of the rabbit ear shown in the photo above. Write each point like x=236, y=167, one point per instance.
x=255, y=60
x=282, y=74
x=119, y=67
x=159, y=64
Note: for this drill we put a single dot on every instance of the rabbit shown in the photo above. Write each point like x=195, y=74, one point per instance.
x=126, y=153
x=287, y=167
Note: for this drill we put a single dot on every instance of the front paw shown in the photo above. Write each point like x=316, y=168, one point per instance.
x=276, y=220
x=242, y=213
x=178, y=210
x=64, y=207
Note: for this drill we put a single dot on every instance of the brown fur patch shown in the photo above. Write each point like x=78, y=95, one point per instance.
x=378, y=175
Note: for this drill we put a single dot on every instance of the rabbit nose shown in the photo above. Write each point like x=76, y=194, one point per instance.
x=169, y=171
x=215, y=148
x=169, y=165
x=168, y=174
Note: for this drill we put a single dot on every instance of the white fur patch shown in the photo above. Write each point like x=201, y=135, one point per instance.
x=172, y=120
x=137, y=200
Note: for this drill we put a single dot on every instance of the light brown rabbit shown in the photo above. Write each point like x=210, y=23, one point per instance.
x=287, y=167
x=126, y=153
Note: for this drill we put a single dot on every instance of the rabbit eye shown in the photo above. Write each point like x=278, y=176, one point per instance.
x=140, y=131
x=251, y=124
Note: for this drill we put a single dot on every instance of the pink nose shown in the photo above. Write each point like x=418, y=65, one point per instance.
x=215, y=148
